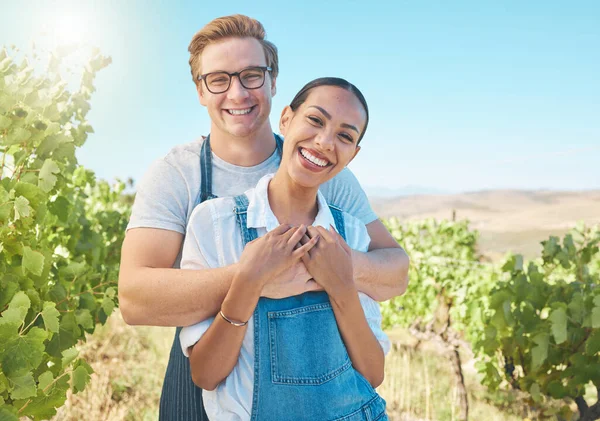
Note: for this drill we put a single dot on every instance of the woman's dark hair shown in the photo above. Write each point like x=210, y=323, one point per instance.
x=331, y=81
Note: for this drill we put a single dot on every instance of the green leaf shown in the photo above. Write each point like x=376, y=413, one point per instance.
x=592, y=345
x=18, y=135
x=84, y=318
x=110, y=292
x=596, y=317
x=108, y=306
x=43, y=405
x=558, y=318
x=60, y=207
x=534, y=390
x=17, y=309
x=5, y=211
x=539, y=353
x=44, y=381
x=6, y=415
x=5, y=122
x=68, y=356
x=80, y=379
x=23, y=353
x=22, y=386
x=47, y=177
x=33, y=261
x=50, y=315
x=22, y=208
x=67, y=336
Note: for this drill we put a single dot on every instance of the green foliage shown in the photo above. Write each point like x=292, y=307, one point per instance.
x=60, y=235
x=448, y=285
x=544, y=329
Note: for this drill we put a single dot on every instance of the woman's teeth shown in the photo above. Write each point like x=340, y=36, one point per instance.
x=310, y=157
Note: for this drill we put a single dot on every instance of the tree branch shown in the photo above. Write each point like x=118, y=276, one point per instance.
x=581, y=405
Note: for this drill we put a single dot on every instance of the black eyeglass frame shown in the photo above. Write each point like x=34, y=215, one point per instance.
x=264, y=69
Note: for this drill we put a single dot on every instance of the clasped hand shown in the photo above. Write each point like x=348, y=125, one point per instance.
x=291, y=260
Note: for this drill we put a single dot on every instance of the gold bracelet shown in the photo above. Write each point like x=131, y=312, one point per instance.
x=238, y=324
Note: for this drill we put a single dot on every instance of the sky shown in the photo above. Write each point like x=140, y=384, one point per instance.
x=463, y=95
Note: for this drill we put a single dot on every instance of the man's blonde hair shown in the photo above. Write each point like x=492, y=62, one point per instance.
x=237, y=26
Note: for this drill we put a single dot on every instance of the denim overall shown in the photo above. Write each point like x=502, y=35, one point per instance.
x=181, y=399
x=302, y=370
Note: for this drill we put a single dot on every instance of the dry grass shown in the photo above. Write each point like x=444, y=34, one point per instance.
x=130, y=362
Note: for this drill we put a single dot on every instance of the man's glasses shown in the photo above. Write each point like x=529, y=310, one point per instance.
x=250, y=78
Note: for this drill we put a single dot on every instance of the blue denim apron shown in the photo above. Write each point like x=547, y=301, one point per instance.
x=181, y=399
x=302, y=370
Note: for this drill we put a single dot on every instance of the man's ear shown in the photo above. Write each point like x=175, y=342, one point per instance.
x=273, y=86
x=284, y=120
x=201, y=93
x=354, y=156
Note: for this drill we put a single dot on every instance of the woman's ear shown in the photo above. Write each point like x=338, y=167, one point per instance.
x=354, y=156
x=284, y=120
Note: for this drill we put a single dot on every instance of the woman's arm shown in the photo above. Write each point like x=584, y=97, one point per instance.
x=363, y=347
x=215, y=355
x=330, y=263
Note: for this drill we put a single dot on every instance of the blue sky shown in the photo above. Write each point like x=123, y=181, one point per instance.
x=464, y=95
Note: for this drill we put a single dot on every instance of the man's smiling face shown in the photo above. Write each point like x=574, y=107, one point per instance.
x=238, y=112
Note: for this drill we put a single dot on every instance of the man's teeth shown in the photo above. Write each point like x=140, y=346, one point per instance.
x=239, y=112
x=317, y=161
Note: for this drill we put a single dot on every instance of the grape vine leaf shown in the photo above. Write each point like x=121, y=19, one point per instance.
x=84, y=318
x=17, y=309
x=44, y=381
x=23, y=353
x=539, y=353
x=50, y=315
x=592, y=345
x=47, y=178
x=80, y=378
x=33, y=261
x=558, y=317
x=68, y=356
x=6, y=415
x=22, y=386
x=22, y=208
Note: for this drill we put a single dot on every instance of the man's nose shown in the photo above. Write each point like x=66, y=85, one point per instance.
x=236, y=90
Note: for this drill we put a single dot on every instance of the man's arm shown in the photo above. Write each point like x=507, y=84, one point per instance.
x=381, y=273
x=152, y=293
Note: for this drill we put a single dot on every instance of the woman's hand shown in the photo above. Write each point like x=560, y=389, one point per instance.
x=330, y=260
x=264, y=258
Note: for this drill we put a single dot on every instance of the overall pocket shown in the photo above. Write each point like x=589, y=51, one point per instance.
x=305, y=346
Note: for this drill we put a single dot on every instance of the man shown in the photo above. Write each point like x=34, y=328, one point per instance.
x=235, y=71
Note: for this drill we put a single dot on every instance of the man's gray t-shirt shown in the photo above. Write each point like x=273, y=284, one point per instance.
x=170, y=189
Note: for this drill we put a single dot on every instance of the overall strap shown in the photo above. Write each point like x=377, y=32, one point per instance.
x=206, y=168
x=338, y=217
x=241, y=212
x=206, y=172
x=279, y=144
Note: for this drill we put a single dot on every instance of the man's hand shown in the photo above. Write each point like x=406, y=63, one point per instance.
x=330, y=260
x=294, y=281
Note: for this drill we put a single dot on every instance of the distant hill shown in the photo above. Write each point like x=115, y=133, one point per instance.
x=514, y=220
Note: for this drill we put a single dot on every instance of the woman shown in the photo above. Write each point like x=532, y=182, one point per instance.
x=314, y=356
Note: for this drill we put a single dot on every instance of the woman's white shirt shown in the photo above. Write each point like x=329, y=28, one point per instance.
x=213, y=239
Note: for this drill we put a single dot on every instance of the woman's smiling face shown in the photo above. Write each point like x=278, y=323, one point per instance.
x=321, y=136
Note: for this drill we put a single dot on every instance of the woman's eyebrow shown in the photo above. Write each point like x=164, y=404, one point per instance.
x=326, y=114
x=350, y=126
